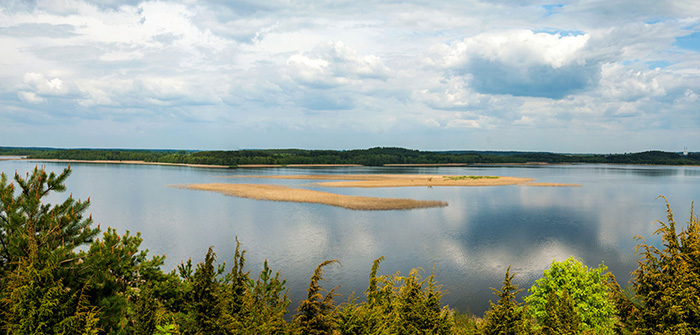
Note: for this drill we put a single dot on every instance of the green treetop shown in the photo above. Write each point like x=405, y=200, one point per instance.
x=587, y=289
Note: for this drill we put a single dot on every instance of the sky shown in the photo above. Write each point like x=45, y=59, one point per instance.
x=588, y=76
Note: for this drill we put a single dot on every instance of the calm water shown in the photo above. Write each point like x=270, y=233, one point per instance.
x=470, y=243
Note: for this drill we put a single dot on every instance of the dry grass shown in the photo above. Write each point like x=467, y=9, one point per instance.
x=283, y=193
x=401, y=180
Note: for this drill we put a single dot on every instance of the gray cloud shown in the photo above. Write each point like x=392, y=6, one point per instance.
x=491, y=77
x=39, y=30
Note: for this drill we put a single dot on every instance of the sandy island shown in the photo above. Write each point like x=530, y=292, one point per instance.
x=283, y=193
x=401, y=180
x=406, y=180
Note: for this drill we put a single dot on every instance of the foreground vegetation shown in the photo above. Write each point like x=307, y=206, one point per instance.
x=58, y=276
x=369, y=157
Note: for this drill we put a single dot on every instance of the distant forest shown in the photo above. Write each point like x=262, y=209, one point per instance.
x=369, y=157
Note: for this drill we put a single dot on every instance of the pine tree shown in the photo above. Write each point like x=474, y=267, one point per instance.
x=561, y=317
x=206, y=296
x=418, y=307
x=27, y=224
x=315, y=313
x=39, y=292
x=508, y=317
x=667, y=281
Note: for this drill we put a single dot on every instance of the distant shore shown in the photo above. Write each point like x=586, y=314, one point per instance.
x=121, y=162
x=258, y=166
x=178, y=164
x=243, y=166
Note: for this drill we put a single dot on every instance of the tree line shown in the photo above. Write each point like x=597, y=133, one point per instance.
x=58, y=275
x=369, y=157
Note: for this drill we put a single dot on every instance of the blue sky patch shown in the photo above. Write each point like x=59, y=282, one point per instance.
x=552, y=9
x=561, y=32
x=689, y=42
x=658, y=64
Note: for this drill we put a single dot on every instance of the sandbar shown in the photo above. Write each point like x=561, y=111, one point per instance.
x=283, y=193
x=401, y=180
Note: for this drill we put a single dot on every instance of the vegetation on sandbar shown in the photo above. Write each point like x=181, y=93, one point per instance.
x=469, y=177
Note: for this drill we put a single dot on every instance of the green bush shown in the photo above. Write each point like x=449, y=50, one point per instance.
x=585, y=287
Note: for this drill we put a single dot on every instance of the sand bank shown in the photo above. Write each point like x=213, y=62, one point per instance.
x=283, y=193
x=401, y=180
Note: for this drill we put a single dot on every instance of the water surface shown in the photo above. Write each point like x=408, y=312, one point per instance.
x=469, y=243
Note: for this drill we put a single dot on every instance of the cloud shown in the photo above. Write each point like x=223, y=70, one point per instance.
x=519, y=74
x=42, y=85
x=463, y=124
x=39, y=29
x=521, y=63
x=332, y=64
x=621, y=83
x=30, y=97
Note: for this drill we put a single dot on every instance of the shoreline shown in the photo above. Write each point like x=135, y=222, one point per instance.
x=324, y=165
x=178, y=164
x=120, y=162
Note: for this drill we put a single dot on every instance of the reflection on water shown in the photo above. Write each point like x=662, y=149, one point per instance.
x=651, y=171
x=470, y=243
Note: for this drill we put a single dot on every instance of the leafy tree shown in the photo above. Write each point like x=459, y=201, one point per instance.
x=587, y=290
x=508, y=316
x=667, y=281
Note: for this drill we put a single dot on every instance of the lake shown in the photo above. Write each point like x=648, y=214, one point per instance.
x=469, y=243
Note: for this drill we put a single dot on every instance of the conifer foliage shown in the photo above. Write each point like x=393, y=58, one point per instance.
x=27, y=224
x=507, y=317
x=316, y=312
x=37, y=258
x=668, y=280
